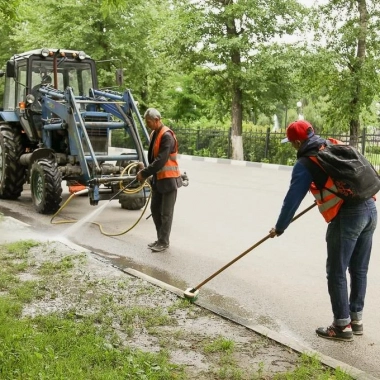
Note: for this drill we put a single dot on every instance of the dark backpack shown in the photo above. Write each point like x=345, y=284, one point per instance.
x=353, y=175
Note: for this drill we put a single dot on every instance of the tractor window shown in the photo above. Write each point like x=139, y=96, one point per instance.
x=9, y=95
x=20, y=85
x=80, y=79
x=42, y=73
x=38, y=80
x=76, y=75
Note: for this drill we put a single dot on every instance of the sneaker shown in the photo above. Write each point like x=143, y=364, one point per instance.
x=150, y=245
x=336, y=333
x=159, y=247
x=357, y=327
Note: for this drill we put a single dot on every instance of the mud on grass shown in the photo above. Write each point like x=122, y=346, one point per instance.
x=66, y=314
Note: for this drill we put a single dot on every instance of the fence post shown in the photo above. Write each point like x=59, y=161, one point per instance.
x=364, y=133
x=267, y=140
x=197, y=142
x=229, y=143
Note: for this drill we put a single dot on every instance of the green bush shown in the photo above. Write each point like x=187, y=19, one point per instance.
x=374, y=149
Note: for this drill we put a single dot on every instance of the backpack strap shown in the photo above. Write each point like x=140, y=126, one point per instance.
x=320, y=177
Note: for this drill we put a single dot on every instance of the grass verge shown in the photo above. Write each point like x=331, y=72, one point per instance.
x=65, y=315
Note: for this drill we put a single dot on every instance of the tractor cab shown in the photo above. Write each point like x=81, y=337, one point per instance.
x=28, y=72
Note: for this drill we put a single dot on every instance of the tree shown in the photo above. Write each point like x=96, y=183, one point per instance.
x=8, y=17
x=227, y=36
x=122, y=34
x=343, y=65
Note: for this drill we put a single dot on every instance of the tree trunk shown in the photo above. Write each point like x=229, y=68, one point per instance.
x=354, y=132
x=237, y=122
x=356, y=72
x=237, y=93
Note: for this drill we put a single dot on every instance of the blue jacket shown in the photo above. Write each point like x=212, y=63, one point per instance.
x=299, y=184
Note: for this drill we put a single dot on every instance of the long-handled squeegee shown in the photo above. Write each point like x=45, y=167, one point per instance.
x=192, y=293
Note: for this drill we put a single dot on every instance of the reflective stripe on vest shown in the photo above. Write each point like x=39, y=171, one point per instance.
x=327, y=202
x=171, y=168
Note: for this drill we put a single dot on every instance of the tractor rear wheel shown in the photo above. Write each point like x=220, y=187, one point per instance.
x=45, y=186
x=132, y=202
x=12, y=173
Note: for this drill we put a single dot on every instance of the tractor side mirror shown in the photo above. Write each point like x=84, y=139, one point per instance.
x=119, y=77
x=2, y=73
x=10, y=71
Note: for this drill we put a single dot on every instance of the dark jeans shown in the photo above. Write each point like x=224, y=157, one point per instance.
x=349, y=244
x=162, y=208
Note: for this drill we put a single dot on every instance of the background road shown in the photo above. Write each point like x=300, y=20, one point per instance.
x=227, y=208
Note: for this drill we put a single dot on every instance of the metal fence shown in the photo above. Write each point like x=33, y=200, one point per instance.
x=262, y=145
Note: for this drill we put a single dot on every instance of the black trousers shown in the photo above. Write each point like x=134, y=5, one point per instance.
x=162, y=208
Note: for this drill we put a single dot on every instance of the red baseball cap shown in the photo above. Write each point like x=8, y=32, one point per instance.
x=298, y=130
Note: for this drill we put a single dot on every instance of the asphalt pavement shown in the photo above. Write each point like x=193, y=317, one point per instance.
x=279, y=287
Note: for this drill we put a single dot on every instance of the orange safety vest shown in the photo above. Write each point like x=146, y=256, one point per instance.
x=171, y=168
x=328, y=203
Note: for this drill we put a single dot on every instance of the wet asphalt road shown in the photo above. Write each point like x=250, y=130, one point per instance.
x=225, y=210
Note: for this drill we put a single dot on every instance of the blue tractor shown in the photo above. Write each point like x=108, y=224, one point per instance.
x=56, y=125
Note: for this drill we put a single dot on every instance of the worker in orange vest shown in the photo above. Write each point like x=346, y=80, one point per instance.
x=166, y=177
x=349, y=234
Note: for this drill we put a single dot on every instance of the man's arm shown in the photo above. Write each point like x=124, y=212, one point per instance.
x=299, y=186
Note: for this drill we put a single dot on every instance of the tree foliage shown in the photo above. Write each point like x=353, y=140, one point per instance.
x=343, y=63
x=8, y=16
x=230, y=39
x=117, y=37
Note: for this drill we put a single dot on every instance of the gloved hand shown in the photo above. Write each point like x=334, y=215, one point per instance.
x=140, y=177
x=185, y=179
x=273, y=233
x=139, y=168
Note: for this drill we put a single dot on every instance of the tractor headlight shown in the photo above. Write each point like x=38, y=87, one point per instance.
x=45, y=52
x=79, y=55
x=30, y=98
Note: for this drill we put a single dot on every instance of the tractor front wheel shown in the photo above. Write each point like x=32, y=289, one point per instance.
x=46, y=186
x=12, y=173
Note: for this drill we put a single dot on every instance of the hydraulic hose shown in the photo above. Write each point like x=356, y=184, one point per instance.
x=125, y=189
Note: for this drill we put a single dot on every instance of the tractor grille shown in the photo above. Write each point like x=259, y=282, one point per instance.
x=97, y=136
x=89, y=118
x=98, y=132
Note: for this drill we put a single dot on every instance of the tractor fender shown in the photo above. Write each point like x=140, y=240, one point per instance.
x=27, y=159
x=9, y=117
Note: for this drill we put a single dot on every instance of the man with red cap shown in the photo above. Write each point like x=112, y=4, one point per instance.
x=349, y=232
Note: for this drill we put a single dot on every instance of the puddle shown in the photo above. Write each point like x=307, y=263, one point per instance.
x=13, y=230
x=14, y=215
x=227, y=307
